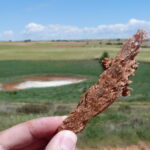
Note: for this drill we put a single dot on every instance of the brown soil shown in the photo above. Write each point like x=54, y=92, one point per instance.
x=10, y=86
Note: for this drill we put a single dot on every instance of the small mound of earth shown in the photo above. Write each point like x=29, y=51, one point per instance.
x=41, y=81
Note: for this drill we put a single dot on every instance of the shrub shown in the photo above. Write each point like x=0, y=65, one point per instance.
x=124, y=108
x=27, y=40
x=118, y=39
x=104, y=55
x=119, y=43
x=108, y=43
x=62, y=110
x=33, y=109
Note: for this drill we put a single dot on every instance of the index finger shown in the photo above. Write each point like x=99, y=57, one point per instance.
x=26, y=133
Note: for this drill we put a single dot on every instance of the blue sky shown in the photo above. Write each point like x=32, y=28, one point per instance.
x=72, y=19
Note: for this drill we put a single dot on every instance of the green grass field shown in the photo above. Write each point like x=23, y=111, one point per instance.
x=62, y=51
x=13, y=70
x=120, y=125
x=125, y=122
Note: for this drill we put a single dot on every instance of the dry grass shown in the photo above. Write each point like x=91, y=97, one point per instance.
x=140, y=146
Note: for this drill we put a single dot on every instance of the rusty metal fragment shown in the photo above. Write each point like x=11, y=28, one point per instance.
x=112, y=84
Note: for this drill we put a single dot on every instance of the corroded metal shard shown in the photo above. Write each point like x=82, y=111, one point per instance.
x=112, y=84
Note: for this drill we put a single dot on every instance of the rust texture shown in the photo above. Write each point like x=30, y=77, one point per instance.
x=112, y=84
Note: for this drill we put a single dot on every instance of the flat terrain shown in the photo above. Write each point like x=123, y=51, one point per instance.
x=64, y=50
x=15, y=70
x=125, y=123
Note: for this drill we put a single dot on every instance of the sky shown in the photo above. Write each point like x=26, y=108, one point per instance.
x=72, y=19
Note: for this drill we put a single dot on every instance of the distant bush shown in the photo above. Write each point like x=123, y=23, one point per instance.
x=27, y=40
x=145, y=46
x=118, y=39
x=62, y=110
x=124, y=108
x=104, y=55
x=108, y=43
x=11, y=93
x=33, y=109
x=119, y=43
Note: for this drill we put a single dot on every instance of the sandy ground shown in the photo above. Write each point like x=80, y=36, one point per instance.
x=40, y=84
x=40, y=81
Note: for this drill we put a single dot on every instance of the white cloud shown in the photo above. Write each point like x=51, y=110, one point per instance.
x=135, y=21
x=57, y=31
x=33, y=27
x=8, y=33
x=36, y=31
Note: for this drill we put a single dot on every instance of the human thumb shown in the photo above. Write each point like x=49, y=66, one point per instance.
x=64, y=140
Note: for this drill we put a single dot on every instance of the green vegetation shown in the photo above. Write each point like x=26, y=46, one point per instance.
x=125, y=122
x=104, y=55
x=80, y=50
x=33, y=109
x=14, y=70
x=116, y=126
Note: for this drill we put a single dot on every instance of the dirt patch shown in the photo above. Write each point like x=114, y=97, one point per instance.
x=41, y=81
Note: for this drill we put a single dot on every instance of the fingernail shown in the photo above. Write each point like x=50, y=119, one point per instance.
x=64, y=140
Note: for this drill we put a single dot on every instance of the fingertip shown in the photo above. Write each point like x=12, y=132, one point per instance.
x=64, y=140
x=64, y=117
x=70, y=134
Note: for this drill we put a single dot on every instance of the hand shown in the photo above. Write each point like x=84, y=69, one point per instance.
x=38, y=134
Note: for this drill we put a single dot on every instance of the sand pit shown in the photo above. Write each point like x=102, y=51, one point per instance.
x=41, y=81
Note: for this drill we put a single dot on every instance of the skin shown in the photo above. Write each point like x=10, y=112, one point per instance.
x=38, y=134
